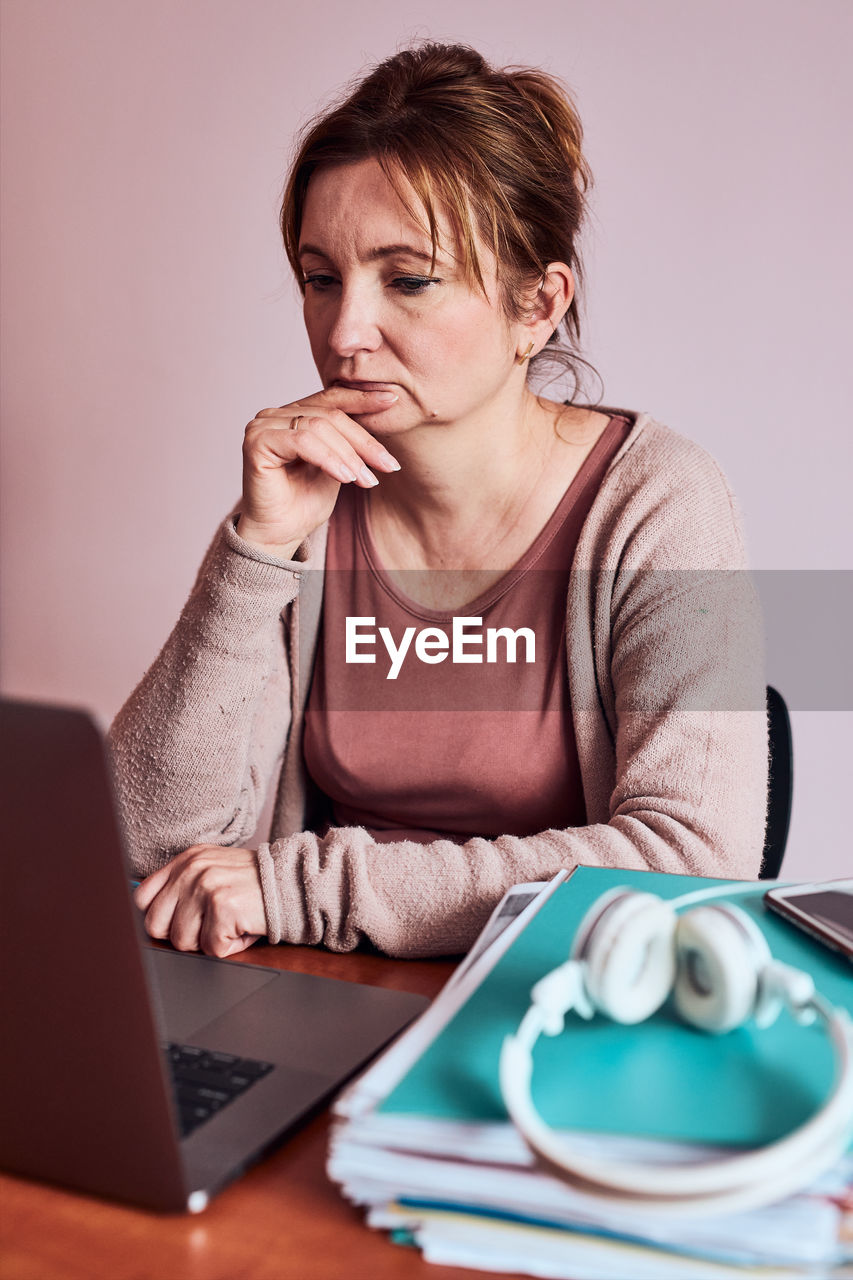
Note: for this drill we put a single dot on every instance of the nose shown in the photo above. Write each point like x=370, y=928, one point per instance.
x=355, y=325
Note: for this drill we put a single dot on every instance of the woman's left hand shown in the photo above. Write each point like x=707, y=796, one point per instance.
x=208, y=899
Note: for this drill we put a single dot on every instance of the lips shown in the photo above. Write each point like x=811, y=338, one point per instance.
x=363, y=386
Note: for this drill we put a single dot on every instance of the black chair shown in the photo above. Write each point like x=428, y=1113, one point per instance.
x=780, y=785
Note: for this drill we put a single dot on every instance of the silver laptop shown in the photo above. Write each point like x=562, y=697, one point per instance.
x=132, y=1071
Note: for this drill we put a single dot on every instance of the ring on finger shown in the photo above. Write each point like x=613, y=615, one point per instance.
x=294, y=422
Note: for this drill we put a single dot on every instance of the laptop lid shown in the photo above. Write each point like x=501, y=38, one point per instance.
x=88, y=1098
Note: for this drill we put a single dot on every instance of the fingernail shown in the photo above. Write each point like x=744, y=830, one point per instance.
x=386, y=457
x=345, y=474
x=367, y=476
x=386, y=395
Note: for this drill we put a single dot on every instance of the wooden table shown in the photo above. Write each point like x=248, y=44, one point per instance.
x=283, y=1220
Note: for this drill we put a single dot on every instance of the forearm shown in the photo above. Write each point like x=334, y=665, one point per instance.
x=194, y=745
x=413, y=899
x=406, y=898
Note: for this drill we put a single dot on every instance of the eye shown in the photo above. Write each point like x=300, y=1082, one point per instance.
x=413, y=284
x=319, y=282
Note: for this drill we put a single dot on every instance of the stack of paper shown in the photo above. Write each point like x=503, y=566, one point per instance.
x=422, y=1139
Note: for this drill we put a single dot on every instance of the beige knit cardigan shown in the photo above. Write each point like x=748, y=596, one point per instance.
x=665, y=663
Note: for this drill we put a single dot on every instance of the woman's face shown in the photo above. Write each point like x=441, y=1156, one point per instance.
x=377, y=316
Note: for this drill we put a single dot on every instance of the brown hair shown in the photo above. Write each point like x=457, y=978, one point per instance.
x=500, y=150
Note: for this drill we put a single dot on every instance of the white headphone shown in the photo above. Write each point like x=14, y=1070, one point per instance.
x=630, y=953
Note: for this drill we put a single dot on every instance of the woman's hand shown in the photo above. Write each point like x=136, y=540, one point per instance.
x=208, y=899
x=296, y=458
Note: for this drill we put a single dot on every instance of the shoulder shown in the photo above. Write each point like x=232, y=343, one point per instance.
x=659, y=460
x=664, y=502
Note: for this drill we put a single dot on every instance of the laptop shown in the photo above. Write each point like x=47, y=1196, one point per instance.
x=129, y=1070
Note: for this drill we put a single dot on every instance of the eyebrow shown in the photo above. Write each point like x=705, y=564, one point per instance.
x=384, y=251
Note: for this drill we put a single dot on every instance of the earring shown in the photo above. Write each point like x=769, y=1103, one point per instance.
x=521, y=359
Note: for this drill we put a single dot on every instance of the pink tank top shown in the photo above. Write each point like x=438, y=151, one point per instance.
x=425, y=741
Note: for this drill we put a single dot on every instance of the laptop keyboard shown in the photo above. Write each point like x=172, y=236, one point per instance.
x=204, y=1081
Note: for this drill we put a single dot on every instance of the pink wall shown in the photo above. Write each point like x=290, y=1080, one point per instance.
x=147, y=312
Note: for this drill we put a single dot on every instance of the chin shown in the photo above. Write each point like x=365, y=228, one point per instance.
x=387, y=421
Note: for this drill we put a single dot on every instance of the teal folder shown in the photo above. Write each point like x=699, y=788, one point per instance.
x=659, y=1079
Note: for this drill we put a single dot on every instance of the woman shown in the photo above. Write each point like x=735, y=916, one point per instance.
x=611, y=683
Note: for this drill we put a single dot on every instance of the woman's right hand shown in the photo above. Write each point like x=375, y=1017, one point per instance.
x=292, y=473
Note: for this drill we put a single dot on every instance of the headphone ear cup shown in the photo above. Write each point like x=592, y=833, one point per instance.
x=720, y=954
x=629, y=957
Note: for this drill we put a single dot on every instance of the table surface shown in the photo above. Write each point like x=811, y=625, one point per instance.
x=282, y=1220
